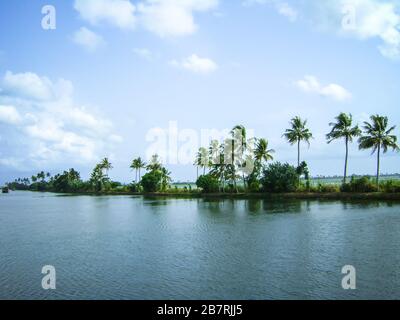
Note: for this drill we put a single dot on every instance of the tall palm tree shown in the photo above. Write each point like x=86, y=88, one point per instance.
x=214, y=152
x=155, y=163
x=218, y=163
x=106, y=165
x=239, y=145
x=343, y=128
x=297, y=133
x=378, y=137
x=141, y=165
x=202, y=160
x=137, y=165
x=165, y=178
x=262, y=153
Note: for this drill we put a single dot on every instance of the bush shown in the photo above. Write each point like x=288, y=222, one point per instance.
x=254, y=186
x=208, y=183
x=134, y=187
x=390, y=186
x=152, y=181
x=360, y=185
x=328, y=188
x=280, y=178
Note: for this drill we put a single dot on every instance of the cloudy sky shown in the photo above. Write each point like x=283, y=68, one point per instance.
x=114, y=70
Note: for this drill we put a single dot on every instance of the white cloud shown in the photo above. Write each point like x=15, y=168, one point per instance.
x=166, y=18
x=144, y=53
x=311, y=84
x=88, y=39
x=172, y=17
x=50, y=128
x=361, y=19
x=286, y=10
x=27, y=85
x=372, y=19
x=249, y=3
x=196, y=64
x=117, y=13
x=9, y=115
x=283, y=8
x=377, y=19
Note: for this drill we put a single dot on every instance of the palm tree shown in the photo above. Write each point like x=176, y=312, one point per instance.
x=202, y=160
x=377, y=136
x=106, y=165
x=214, y=152
x=297, y=133
x=343, y=129
x=262, y=153
x=165, y=178
x=217, y=163
x=239, y=145
x=138, y=164
x=155, y=163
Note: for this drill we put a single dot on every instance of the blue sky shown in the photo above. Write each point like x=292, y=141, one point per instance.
x=113, y=70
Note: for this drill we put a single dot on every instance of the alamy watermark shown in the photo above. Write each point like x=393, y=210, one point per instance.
x=349, y=20
x=213, y=147
x=49, y=280
x=49, y=20
x=349, y=280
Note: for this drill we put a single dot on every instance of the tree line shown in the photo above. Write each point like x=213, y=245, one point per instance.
x=239, y=158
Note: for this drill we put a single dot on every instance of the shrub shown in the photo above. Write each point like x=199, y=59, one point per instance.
x=390, y=186
x=208, y=183
x=278, y=177
x=328, y=188
x=254, y=186
x=361, y=185
x=134, y=187
x=152, y=181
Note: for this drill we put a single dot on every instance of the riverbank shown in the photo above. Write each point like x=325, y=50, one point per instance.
x=376, y=196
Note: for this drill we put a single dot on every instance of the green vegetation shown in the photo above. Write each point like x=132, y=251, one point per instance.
x=208, y=183
x=238, y=165
x=279, y=177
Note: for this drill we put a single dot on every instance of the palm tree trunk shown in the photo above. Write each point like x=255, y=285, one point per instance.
x=197, y=173
x=345, y=162
x=298, y=153
x=378, y=166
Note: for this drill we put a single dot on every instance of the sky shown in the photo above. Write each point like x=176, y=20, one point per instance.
x=87, y=79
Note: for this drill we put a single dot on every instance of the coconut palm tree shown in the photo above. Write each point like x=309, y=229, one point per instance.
x=137, y=165
x=343, y=129
x=165, y=178
x=378, y=137
x=155, y=163
x=218, y=164
x=214, y=152
x=202, y=160
x=298, y=133
x=106, y=165
x=262, y=153
x=239, y=145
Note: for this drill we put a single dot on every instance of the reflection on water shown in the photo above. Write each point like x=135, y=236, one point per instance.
x=162, y=248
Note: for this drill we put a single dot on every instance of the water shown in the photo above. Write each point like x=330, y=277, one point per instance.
x=142, y=248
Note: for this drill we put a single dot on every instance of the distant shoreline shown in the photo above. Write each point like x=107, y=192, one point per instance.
x=376, y=196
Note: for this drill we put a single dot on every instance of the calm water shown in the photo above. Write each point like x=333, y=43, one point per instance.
x=135, y=248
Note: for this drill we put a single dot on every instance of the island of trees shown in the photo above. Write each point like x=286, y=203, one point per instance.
x=250, y=171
